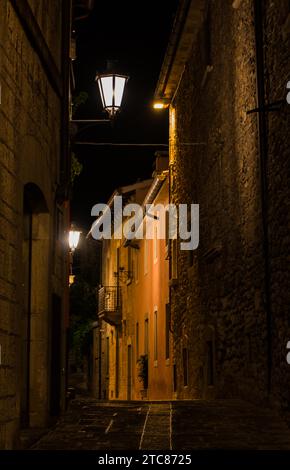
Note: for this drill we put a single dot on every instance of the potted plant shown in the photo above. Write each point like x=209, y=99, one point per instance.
x=143, y=374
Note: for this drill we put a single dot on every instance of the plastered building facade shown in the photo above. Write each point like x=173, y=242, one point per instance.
x=134, y=314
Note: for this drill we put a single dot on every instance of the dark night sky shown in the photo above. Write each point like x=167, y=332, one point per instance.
x=136, y=35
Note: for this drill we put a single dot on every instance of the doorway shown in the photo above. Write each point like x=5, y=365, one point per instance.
x=36, y=305
x=26, y=317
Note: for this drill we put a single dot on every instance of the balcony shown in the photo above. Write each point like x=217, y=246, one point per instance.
x=110, y=304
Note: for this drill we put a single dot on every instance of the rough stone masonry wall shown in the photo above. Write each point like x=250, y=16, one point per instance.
x=48, y=15
x=29, y=132
x=276, y=56
x=220, y=298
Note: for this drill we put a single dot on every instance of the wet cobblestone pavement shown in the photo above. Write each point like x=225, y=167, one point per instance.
x=218, y=424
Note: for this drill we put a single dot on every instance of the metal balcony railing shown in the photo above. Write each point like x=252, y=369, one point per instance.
x=110, y=304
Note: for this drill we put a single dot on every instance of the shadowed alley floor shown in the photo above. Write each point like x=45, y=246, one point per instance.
x=188, y=425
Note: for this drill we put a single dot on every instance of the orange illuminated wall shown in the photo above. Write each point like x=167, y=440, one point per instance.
x=151, y=308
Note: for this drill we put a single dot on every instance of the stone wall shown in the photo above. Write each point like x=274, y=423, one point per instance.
x=277, y=73
x=49, y=17
x=30, y=153
x=218, y=302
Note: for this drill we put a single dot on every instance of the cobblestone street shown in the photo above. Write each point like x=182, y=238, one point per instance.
x=188, y=425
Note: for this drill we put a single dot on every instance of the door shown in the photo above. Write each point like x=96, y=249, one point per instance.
x=35, y=287
x=129, y=373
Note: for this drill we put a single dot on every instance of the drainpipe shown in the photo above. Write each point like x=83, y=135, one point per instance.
x=263, y=148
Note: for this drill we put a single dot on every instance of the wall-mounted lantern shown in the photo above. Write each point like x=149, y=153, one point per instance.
x=111, y=86
x=73, y=239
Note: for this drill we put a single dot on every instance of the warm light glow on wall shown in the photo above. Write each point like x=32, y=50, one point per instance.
x=172, y=119
x=172, y=133
x=159, y=105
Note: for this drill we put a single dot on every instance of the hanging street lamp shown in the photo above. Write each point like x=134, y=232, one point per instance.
x=111, y=86
x=73, y=239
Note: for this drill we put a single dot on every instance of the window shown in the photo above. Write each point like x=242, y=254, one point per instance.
x=146, y=337
x=117, y=260
x=206, y=46
x=117, y=378
x=284, y=7
x=137, y=341
x=155, y=335
x=145, y=256
x=190, y=252
x=207, y=38
x=130, y=263
x=58, y=225
x=174, y=259
x=185, y=366
x=136, y=265
x=210, y=373
x=107, y=354
x=167, y=234
x=107, y=274
x=174, y=378
x=167, y=331
x=155, y=244
x=285, y=18
x=190, y=258
x=167, y=227
x=167, y=238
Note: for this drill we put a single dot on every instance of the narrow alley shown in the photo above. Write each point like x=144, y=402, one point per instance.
x=144, y=230
x=183, y=425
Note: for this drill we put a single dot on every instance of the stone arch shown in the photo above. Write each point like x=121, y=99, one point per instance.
x=36, y=169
